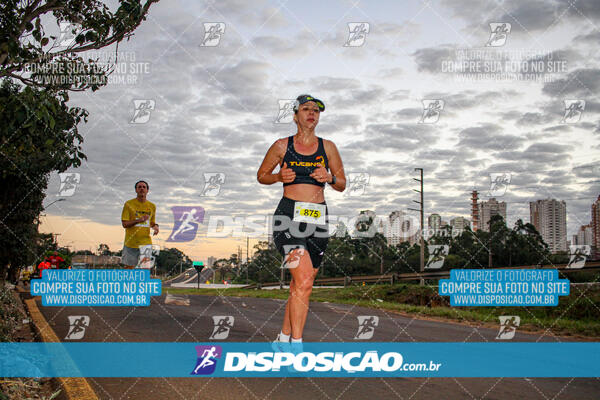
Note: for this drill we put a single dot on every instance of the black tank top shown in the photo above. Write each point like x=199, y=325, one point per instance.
x=303, y=165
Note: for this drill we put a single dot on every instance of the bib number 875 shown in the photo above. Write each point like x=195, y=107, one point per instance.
x=310, y=213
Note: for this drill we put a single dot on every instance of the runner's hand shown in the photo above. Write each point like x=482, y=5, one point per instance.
x=155, y=227
x=320, y=174
x=286, y=175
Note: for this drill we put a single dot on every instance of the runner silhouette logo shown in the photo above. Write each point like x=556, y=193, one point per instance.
x=357, y=33
x=508, y=326
x=286, y=111
x=186, y=222
x=499, y=182
x=77, y=325
x=207, y=359
x=223, y=325
x=498, y=34
x=366, y=326
x=212, y=34
x=578, y=255
x=212, y=183
x=573, y=111
x=68, y=183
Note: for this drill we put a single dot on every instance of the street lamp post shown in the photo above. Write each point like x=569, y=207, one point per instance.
x=55, y=201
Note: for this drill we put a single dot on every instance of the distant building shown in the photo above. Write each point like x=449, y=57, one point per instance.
x=210, y=261
x=596, y=227
x=475, y=210
x=550, y=219
x=434, y=223
x=393, y=232
x=585, y=235
x=459, y=224
x=488, y=209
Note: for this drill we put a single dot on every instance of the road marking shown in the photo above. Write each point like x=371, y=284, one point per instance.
x=74, y=388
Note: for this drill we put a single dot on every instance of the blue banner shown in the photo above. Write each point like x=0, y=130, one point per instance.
x=96, y=287
x=228, y=359
x=504, y=287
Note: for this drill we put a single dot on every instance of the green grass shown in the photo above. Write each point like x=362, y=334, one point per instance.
x=575, y=314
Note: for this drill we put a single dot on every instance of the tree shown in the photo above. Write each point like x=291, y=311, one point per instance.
x=30, y=55
x=170, y=261
x=39, y=134
x=104, y=250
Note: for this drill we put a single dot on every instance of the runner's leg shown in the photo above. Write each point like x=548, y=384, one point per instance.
x=303, y=277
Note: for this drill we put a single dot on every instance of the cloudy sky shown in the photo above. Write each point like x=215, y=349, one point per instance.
x=213, y=109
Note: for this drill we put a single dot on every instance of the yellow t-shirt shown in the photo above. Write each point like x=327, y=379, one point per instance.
x=139, y=234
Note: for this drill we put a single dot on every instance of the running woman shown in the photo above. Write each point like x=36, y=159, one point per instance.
x=300, y=233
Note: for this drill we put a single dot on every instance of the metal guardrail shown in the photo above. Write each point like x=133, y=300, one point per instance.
x=417, y=276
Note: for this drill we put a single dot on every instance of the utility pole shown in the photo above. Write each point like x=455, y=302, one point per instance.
x=422, y=240
x=247, y=258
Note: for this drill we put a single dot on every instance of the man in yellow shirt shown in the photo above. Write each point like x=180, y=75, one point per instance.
x=137, y=217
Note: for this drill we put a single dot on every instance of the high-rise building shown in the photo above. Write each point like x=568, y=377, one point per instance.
x=393, y=233
x=475, y=210
x=550, y=219
x=596, y=227
x=434, y=223
x=487, y=209
x=459, y=224
x=584, y=236
x=210, y=261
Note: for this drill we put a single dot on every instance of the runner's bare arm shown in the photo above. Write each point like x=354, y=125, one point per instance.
x=273, y=158
x=335, y=165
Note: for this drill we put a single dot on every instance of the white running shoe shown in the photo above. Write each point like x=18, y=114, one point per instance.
x=280, y=347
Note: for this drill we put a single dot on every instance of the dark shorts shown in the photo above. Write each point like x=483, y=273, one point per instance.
x=289, y=234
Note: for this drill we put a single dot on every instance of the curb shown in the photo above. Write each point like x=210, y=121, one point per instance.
x=74, y=388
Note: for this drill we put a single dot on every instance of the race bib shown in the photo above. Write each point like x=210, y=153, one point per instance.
x=145, y=224
x=312, y=213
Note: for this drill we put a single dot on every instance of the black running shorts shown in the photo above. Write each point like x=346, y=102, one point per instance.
x=289, y=233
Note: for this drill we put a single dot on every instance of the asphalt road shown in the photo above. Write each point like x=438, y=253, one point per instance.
x=259, y=320
x=191, y=277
